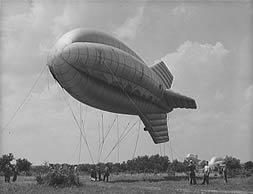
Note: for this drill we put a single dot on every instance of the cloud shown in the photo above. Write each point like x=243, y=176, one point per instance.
x=198, y=52
x=128, y=30
x=201, y=72
x=197, y=63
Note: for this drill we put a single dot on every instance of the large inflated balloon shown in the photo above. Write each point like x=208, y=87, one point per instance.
x=103, y=72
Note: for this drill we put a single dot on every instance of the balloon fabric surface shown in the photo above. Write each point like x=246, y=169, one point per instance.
x=101, y=71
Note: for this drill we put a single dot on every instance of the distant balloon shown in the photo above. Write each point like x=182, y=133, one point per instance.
x=192, y=157
x=215, y=161
x=103, y=72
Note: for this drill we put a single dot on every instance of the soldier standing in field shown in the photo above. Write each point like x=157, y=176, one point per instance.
x=106, y=174
x=192, y=176
x=224, y=173
x=99, y=173
x=206, y=174
x=7, y=173
x=15, y=174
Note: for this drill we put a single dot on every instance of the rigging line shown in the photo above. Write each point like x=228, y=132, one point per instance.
x=48, y=79
x=73, y=154
x=109, y=129
x=103, y=135
x=80, y=140
x=127, y=132
x=82, y=123
x=170, y=148
x=25, y=99
x=80, y=146
x=84, y=120
x=121, y=138
x=102, y=143
x=84, y=137
x=121, y=135
x=118, y=135
x=164, y=149
x=137, y=139
x=160, y=149
x=99, y=144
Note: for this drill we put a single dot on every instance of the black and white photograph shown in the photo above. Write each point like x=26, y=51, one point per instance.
x=145, y=96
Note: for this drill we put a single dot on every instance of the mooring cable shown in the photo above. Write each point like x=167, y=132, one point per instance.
x=84, y=136
x=25, y=99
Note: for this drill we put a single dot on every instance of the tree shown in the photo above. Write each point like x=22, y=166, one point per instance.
x=232, y=163
x=123, y=166
x=5, y=159
x=178, y=166
x=23, y=165
x=248, y=165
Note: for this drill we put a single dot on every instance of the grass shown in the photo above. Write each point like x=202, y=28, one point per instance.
x=131, y=184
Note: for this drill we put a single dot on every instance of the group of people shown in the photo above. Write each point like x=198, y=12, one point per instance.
x=10, y=170
x=96, y=174
x=206, y=171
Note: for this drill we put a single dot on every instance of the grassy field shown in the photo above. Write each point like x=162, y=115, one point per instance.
x=131, y=184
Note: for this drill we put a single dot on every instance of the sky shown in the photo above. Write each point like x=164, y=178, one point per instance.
x=206, y=45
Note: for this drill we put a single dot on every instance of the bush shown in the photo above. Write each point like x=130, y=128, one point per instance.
x=59, y=177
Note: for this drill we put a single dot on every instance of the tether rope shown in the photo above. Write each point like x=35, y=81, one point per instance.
x=118, y=136
x=84, y=136
x=122, y=136
x=102, y=123
x=137, y=139
x=25, y=99
x=171, y=150
x=99, y=144
x=80, y=140
x=103, y=142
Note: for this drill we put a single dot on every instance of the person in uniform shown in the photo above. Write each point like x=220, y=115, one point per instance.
x=206, y=174
x=7, y=173
x=192, y=176
x=224, y=173
x=99, y=173
x=106, y=174
x=93, y=174
x=15, y=174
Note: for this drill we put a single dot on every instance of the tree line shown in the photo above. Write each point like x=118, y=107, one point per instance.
x=162, y=164
x=141, y=164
